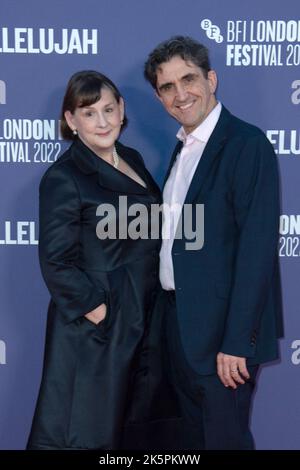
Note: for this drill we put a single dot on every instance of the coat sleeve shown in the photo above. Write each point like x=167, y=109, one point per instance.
x=256, y=207
x=59, y=241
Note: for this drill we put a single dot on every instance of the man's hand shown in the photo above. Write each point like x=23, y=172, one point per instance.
x=232, y=370
x=97, y=315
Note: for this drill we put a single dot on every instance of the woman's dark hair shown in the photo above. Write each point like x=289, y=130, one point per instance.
x=182, y=46
x=84, y=88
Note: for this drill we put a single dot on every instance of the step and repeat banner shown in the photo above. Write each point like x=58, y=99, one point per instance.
x=255, y=49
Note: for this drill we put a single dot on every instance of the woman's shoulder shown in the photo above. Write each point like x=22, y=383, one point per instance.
x=63, y=166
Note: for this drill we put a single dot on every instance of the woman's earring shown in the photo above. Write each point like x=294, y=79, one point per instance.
x=75, y=132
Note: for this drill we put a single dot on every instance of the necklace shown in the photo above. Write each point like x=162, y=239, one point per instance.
x=116, y=158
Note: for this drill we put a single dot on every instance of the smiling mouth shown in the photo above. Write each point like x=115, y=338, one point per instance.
x=104, y=134
x=185, y=106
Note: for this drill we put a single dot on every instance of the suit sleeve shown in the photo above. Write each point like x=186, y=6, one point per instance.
x=256, y=207
x=59, y=241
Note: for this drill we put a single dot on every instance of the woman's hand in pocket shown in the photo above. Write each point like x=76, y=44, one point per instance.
x=97, y=315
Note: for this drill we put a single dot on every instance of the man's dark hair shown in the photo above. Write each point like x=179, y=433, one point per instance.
x=182, y=46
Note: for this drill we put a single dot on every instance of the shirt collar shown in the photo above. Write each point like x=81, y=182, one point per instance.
x=203, y=132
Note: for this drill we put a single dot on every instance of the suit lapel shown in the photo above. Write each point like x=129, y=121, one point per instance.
x=172, y=161
x=212, y=148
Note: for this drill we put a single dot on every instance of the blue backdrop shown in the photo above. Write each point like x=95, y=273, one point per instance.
x=255, y=48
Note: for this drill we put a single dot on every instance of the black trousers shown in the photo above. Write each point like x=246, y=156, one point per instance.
x=214, y=417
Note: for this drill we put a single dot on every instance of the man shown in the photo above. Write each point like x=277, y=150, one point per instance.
x=222, y=300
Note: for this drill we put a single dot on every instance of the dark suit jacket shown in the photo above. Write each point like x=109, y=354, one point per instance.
x=228, y=292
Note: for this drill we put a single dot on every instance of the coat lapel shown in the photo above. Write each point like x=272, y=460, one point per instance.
x=108, y=177
x=138, y=166
x=212, y=148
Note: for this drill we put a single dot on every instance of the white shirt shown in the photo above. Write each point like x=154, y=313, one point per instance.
x=177, y=186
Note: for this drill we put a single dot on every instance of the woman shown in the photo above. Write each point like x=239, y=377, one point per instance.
x=102, y=282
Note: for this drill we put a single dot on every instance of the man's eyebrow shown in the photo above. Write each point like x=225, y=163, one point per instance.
x=165, y=85
x=190, y=74
x=187, y=75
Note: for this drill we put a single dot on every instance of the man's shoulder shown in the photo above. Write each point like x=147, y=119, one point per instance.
x=244, y=138
x=240, y=128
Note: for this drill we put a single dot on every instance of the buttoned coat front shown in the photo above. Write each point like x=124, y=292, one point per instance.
x=88, y=368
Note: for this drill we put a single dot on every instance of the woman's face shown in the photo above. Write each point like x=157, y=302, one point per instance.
x=99, y=124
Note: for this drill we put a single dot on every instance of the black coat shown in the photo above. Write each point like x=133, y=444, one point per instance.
x=88, y=368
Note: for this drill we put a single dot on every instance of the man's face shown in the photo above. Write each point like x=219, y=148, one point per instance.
x=184, y=91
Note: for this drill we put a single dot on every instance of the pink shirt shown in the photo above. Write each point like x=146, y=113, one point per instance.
x=177, y=186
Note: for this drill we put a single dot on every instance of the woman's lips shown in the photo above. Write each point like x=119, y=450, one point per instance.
x=104, y=134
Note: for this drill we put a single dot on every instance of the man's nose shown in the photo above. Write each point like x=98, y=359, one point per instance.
x=181, y=93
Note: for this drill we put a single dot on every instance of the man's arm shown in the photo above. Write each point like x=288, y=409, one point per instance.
x=256, y=206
